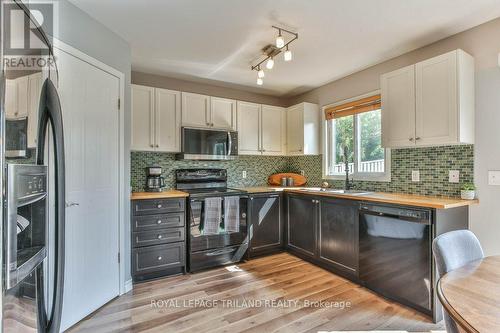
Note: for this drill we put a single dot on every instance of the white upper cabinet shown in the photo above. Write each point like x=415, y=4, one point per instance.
x=16, y=98
x=143, y=129
x=208, y=112
x=398, y=107
x=156, y=119
x=10, y=99
x=303, y=121
x=261, y=129
x=442, y=99
x=34, y=89
x=273, y=130
x=167, y=120
x=22, y=96
x=249, y=116
x=223, y=113
x=195, y=110
x=22, y=99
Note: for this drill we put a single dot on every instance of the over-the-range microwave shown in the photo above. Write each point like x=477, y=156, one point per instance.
x=208, y=144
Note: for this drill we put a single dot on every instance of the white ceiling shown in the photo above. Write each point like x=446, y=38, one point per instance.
x=219, y=39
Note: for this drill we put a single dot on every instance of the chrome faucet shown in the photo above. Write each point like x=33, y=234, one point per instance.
x=348, y=183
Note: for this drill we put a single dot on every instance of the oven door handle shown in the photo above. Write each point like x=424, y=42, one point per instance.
x=218, y=252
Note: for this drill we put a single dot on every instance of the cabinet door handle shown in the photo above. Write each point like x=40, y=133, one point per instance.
x=159, y=206
x=159, y=258
x=410, y=139
x=417, y=138
x=160, y=237
x=158, y=222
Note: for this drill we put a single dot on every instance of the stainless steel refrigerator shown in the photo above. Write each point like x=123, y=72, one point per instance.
x=32, y=178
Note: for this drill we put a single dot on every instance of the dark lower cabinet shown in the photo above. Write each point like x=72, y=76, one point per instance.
x=158, y=238
x=302, y=224
x=324, y=231
x=338, y=234
x=266, y=224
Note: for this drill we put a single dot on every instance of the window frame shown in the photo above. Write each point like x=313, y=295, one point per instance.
x=326, y=134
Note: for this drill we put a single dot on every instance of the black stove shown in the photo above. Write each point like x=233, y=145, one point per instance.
x=204, y=182
x=206, y=250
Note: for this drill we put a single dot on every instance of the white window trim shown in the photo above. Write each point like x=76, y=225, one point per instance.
x=363, y=176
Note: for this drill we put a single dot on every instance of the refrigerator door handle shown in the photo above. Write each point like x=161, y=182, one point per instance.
x=50, y=113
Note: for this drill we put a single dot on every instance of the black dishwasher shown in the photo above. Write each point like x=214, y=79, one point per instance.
x=395, y=253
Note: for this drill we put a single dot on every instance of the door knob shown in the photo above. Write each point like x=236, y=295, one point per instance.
x=72, y=204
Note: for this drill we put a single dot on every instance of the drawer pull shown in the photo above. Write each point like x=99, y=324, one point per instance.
x=159, y=206
x=158, y=222
x=159, y=258
x=160, y=236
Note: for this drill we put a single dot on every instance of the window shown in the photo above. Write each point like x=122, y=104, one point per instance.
x=353, y=140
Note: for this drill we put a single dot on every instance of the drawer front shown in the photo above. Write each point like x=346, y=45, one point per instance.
x=156, y=258
x=155, y=237
x=158, y=206
x=153, y=222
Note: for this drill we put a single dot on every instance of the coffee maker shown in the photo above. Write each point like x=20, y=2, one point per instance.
x=155, y=182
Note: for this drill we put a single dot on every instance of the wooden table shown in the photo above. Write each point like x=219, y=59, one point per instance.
x=471, y=295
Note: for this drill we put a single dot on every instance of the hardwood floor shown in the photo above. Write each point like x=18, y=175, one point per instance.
x=175, y=304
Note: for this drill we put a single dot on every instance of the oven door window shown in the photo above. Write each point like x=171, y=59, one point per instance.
x=205, y=142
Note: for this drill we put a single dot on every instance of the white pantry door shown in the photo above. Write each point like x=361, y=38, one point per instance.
x=89, y=100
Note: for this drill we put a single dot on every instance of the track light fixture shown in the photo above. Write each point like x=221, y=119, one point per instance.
x=271, y=51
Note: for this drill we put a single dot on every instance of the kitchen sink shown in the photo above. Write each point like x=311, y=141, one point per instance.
x=353, y=192
x=336, y=191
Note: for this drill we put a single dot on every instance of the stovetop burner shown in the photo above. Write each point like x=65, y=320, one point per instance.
x=204, y=182
x=204, y=192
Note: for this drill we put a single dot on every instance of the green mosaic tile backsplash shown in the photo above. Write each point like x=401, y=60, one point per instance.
x=433, y=163
x=258, y=168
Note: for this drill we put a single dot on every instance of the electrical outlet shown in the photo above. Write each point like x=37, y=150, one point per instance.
x=415, y=176
x=244, y=174
x=494, y=177
x=454, y=176
x=302, y=172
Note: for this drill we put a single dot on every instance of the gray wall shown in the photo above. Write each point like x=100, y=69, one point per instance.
x=210, y=89
x=78, y=29
x=483, y=42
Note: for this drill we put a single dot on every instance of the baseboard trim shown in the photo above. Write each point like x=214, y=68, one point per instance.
x=128, y=285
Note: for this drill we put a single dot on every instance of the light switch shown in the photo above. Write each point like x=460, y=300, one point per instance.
x=454, y=176
x=494, y=177
x=415, y=176
x=244, y=174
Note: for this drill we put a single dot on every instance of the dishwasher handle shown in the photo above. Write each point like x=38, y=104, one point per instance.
x=417, y=218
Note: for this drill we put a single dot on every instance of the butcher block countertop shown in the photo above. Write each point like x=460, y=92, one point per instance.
x=167, y=194
x=381, y=197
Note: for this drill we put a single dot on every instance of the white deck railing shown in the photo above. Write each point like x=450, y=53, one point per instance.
x=369, y=166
